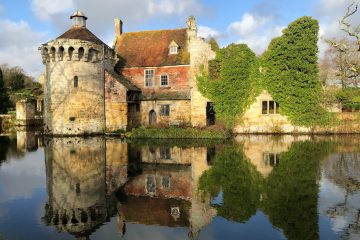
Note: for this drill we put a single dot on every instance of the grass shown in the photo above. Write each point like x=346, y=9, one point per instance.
x=213, y=132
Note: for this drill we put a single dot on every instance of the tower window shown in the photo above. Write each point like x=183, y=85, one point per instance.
x=164, y=80
x=76, y=81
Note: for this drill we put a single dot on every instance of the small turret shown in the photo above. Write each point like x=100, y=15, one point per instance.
x=79, y=19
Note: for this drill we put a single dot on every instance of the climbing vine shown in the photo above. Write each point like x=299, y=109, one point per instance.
x=288, y=70
x=230, y=81
x=291, y=73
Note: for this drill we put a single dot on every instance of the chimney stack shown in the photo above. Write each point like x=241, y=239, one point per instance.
x=118, y=27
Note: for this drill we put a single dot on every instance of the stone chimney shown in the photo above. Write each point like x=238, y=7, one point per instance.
x=118, y=27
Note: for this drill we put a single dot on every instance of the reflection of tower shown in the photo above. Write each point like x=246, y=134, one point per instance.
x=79, y=199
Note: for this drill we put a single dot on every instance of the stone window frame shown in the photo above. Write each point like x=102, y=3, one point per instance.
x=165, y=110
x=271, y=159
x=165, y=180
x=147, y=78
x=265, y=109
x=167, y=80
x=76, y=82
x=165, y=153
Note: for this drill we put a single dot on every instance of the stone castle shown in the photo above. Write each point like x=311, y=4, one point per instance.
x=145, y=78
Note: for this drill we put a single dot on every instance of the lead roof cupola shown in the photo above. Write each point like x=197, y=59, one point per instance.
x=79, y=19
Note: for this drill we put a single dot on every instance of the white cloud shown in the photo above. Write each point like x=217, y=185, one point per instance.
x=255, y=30
x=44, y=9
x=101, y=16
x=208, y=32
x=18, y=46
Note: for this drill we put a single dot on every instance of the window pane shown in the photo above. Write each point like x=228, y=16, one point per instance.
x=264, y=107
x=271, y=107
x=149, y=76
x=165, y=153
x=164, y=80
x=165, y=110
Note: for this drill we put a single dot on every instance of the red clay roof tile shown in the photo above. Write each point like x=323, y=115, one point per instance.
x=151, y=48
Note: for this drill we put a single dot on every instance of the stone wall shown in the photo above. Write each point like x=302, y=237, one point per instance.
x=26, y=112
x=200, y=54
x=256, y=122
x=180, y=111
x=116, y=107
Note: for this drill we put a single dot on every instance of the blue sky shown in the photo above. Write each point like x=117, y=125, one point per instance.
x=25, y=24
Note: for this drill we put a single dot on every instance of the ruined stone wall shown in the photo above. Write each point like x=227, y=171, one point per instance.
x=71, y=110
x=116, y=107
x=256, y=122
x=200, y=54
x=26, y=112
x=179, y=111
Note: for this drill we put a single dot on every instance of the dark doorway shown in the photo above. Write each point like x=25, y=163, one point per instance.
x=152, y=117
x=210, y=114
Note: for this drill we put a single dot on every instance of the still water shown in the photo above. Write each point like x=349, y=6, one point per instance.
x=253, y=187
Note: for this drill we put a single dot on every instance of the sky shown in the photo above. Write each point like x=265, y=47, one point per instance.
x=26, y=24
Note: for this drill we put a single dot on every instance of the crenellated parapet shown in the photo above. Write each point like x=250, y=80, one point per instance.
x=76, y=50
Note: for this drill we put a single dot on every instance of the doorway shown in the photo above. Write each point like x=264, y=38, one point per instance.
x=210, y=114
x=152, y=117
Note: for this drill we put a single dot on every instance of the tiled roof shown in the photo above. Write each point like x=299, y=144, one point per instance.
x=81, y=33
x=121, y=79
x=151, y=48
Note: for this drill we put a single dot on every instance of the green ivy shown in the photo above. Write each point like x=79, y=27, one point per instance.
x=230, y=82
x=291, y=73
x=288, y=70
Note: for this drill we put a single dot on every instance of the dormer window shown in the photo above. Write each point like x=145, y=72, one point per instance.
x=173, y=48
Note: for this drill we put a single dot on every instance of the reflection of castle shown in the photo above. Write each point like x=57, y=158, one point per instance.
x=264, y=151
x=81, y=180
x=158, y=185
x=162, y=188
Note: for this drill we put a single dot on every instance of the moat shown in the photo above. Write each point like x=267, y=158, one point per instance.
x=250, y=187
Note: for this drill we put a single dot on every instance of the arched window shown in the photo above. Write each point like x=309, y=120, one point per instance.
x=70, y=52
x=81, y=53
x=52, y=54
x=76, y=81
x=61, y=53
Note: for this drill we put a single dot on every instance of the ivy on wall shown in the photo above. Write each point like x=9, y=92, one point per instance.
x=288, y=70
x=230, y=81
x=291, y=73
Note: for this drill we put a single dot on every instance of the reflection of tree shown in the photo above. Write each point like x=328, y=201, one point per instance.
x=4, y=145
x=291, y=191
x=239, y=182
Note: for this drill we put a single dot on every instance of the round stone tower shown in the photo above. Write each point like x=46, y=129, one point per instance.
x=74, y=80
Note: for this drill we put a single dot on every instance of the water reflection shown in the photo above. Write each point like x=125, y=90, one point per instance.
x=303, y=187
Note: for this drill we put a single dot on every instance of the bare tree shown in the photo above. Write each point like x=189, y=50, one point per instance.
x=348, y=50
